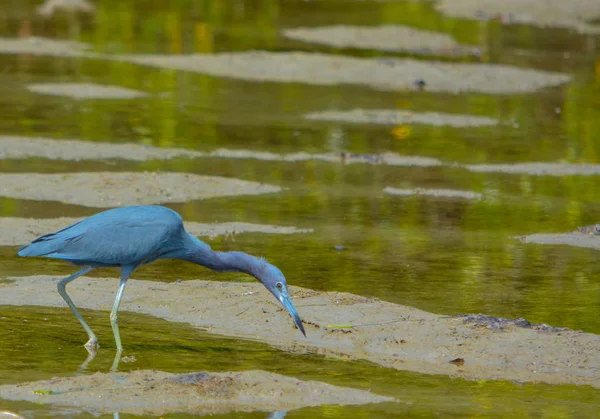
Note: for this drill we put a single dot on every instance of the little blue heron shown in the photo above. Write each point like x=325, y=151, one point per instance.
x=132, y=236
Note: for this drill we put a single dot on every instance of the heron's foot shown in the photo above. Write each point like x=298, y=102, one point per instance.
x=92, y=345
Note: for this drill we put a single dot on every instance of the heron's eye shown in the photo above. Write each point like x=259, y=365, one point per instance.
x=279, y=286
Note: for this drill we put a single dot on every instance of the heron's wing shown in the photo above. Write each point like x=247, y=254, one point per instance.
x=110, y=240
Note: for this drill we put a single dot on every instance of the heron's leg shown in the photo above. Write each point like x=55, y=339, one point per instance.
x=114, y=318
x=92, y=343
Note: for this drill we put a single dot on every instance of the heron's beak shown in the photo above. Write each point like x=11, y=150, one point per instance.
x=286, y=301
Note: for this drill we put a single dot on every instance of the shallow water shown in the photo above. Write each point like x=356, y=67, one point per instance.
x=41, y=348
x=441, y=255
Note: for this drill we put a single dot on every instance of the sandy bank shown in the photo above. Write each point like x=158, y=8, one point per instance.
x=321, y=69
x=397, y=117
x=582, y=237
x=43, y=46
x=159, y=393
x=389, y=159
x=342, y=325
x=85, y=91
x=16, y=147
x=572, y=14
x=380, y=73
x=537, y=168
x=49, y=7
x=436, y=193
x=112, y=189
x=392, y=38
x=19, y=231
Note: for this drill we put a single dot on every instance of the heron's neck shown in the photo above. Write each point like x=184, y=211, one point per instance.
x=201, y=254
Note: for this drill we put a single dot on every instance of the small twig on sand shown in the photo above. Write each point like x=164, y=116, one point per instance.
x=242, y=312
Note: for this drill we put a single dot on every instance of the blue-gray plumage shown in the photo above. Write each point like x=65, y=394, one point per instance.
x=133, y=236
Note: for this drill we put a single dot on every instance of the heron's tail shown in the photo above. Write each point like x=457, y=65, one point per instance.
x=41, y=246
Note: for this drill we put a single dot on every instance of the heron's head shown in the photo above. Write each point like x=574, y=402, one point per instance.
x=272, y=278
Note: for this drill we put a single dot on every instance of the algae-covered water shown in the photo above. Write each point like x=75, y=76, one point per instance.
x=439, y=254
x=44, y=349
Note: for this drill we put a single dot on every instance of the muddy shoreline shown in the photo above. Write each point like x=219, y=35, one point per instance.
x=435, y=193
x=342, y=325
x=586, y=236
x=391, y=38
x=18, y=147
x=396, y=117
x=576, y=14
x=113, y=189
x=158, y=393
x=85, y=91
x=392, y=74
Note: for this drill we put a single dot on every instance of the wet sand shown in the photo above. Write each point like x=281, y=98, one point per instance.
x=574, y=14
x=379, y=73
x=19, y=231
x=581, y=237
x=85, y=91
x=16, y=147
x=390, y=159
x=43, y=46
x=397, y=117
x=112, y=189
x=435, y=193
x=391, y=38
x=320, y=69
x=159, y=393
x=50, y=7
x=394, y=159
x=341, y=325
x=537, y=168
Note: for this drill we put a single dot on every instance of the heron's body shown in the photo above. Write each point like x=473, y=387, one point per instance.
x=122, y=237
x=133, y=236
